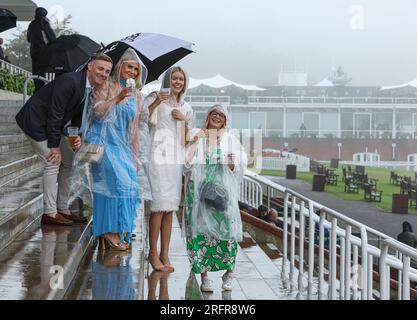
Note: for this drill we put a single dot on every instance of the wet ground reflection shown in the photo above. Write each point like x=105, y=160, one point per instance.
x=112, y=276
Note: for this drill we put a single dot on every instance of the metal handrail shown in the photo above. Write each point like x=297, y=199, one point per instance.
x=25, y=87
x=349, y=244
x=331, y=100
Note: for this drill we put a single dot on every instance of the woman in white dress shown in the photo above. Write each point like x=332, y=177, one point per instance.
x=170, y=120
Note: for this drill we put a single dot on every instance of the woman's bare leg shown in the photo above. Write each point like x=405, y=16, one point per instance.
x=166, y=228
x=154, y=227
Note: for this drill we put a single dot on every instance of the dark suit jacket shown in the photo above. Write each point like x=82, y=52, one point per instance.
x=45, y=114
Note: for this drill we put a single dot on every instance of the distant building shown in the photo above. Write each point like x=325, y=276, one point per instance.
x=292, y=79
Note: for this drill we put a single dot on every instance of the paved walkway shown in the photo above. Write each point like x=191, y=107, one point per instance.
x=385, y=222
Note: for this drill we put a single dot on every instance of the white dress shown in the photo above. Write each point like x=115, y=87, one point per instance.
x=167, y=157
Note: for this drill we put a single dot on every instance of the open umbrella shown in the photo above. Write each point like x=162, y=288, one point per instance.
x=157, y=51
x=66, y=53
x=7, y=20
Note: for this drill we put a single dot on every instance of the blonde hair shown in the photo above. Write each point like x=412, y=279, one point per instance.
x=128, y=56
x=168, y=79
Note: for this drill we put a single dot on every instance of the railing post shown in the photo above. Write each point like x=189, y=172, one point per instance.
x=311, y=230
x=406, y=278
x=364, y=263
x=383, y=279
x=285, y=240
x=321, y=252
x=292, y=243
x=301, y=247
x=348, y=260
x=370, y=277
x=333, y=259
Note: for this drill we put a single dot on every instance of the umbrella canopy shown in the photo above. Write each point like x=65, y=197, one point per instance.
x=158, y=52
x=66, y=53
x=7, y=20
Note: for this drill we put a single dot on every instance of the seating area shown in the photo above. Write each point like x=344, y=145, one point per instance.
x=331, y=176
x=358, y=179
x=350, y=186
x=371, y=194
x=407, y=186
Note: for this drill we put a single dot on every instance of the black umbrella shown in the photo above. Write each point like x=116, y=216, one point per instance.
x=66, y=53
x=158, y=52
x=7, y=20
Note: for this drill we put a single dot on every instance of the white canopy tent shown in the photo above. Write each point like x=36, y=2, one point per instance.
x=412, y=83
x=23, y=9
x=216, y=82
x=324, y=83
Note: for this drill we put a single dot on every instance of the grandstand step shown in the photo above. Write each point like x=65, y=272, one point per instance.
x=20, y=205
x=13, y=104
x=271, y=250
x=16, y=164
x=247, y=240
x=9, y=127
x=12, y=138
x=40, y=264
x=126, y=275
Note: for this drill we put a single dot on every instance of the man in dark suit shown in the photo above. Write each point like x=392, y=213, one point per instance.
x=39, y=35
x=44, y=119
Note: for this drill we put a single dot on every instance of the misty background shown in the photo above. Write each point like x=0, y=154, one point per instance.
x=251, y=41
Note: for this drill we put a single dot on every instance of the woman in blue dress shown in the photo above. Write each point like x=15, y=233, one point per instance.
x=114, y=123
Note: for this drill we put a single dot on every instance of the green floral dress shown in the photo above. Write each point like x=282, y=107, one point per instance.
x=206, y=253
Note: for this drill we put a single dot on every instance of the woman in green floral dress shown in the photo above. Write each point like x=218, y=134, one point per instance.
x=214, y=228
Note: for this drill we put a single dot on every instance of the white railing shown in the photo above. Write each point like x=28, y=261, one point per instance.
x=331, y=100
x=280, y=163
x=251, y=192
x=393, y=165
x=15, y=69
x=352, y=250
x=208, y=100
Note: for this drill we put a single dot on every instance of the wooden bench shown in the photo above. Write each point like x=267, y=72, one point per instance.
x=350, y=187
x=371, y=194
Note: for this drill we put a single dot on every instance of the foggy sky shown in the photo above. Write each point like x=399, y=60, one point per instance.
x=250, y=41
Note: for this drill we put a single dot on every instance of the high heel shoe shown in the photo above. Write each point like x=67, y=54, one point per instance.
x=168, y=266
x=160, y=267
x=113, y=246
x=101, y=243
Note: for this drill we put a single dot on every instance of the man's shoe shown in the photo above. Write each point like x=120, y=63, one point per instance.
x=73, y=217
x=58, y=220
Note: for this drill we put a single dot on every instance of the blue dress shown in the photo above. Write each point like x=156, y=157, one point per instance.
x=116, y=196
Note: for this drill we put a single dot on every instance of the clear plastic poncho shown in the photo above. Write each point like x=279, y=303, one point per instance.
x=113, y=124
x=167, y=148
x=211, y=164
x=143, y=128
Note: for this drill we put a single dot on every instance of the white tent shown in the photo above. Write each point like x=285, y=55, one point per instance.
x=412, y=83
x=324, y=83
x=219, y=81
x=216, y=82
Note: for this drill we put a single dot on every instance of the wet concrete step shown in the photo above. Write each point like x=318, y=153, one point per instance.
x=12, y=138
x=109, y=275
x=9, y=127
x=17, y=163
x=41, y=263
x=9, y=105
x=20, y=205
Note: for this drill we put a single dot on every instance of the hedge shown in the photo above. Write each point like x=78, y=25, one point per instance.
x=14, y=83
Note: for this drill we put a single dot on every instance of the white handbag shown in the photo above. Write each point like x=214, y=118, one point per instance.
x=153, y=119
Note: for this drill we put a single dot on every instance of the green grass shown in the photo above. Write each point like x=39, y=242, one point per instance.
x=383, y=184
